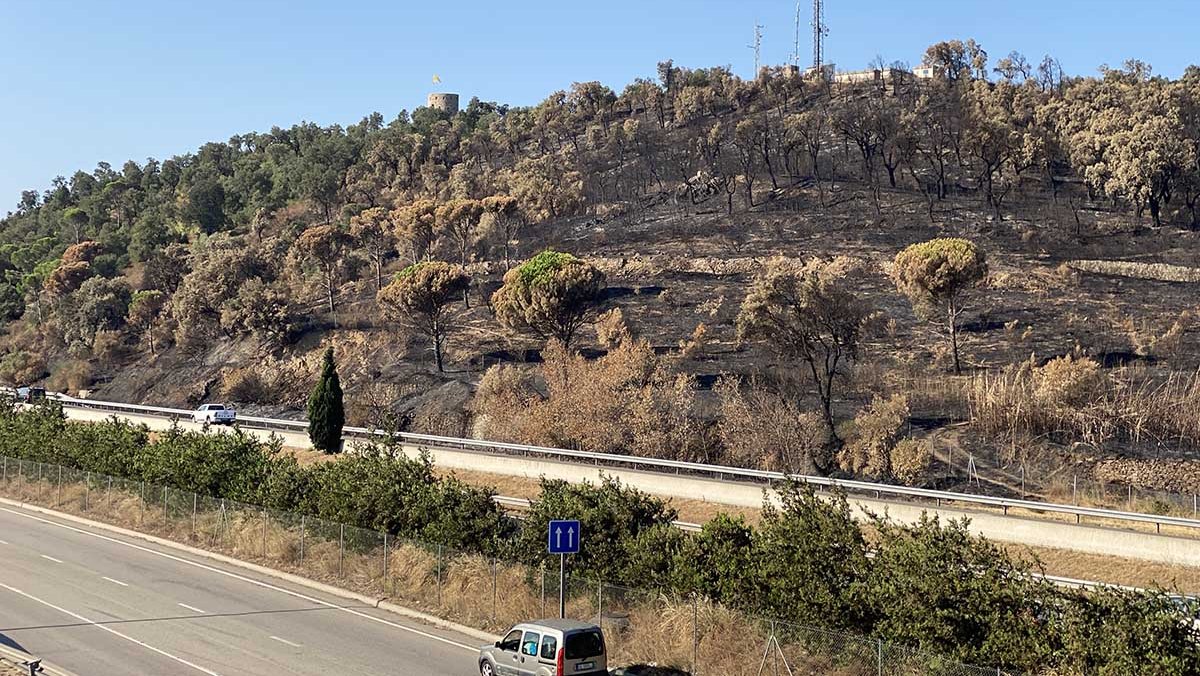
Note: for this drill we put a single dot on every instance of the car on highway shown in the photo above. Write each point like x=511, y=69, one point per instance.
x=547, y=648
x=28, y=394
x=214, y=414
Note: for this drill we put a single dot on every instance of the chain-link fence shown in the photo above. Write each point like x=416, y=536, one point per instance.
x=687, y=634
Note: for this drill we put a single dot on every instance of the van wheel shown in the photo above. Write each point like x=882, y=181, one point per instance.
x=485, y=669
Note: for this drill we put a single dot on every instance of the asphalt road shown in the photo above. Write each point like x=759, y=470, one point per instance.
x=100, y=604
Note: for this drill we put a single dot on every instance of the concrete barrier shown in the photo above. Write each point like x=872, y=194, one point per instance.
x=1013, y=529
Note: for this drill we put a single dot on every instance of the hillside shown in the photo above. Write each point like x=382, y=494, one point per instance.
x=222, y=274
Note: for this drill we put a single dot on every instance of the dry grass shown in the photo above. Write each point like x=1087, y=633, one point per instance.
x=10, y=667
x=1071, y=400
x=1112, y=569
x=1162, y=272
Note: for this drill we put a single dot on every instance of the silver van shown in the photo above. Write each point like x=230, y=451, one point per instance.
x=547, y=648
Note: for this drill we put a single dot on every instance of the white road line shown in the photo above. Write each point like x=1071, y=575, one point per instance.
x=2, y=542
x=51, y=558
x=115, y=581
x=249, y=580
x=194, y=609
x=284, y=640
x=110, y=630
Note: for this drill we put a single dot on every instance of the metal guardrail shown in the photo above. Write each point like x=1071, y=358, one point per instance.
x=659, y=465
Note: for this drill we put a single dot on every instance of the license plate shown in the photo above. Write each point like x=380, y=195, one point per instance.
x=585, y=666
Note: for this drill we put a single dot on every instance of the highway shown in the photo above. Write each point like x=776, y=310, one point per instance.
x=100, y=604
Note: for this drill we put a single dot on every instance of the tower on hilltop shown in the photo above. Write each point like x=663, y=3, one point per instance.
x=444, y=102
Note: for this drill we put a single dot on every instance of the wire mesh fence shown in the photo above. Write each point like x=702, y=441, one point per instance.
x=688, y=634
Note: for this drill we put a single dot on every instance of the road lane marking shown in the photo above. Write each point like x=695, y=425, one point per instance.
x=250, y=580
x=284, y=640
x=191, y=608
x=110, y=630
x=51, y=558
x=2, y=542
x=115, y=581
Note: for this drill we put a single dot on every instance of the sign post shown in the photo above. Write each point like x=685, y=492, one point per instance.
x=562, y=538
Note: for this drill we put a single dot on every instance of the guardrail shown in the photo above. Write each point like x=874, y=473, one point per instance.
x=658, y=465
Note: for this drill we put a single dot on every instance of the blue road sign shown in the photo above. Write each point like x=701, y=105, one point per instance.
x=563, y=537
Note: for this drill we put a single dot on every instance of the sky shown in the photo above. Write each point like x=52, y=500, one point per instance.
x=112, y=80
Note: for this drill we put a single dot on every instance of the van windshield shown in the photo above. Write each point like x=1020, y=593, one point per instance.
x=584, y=644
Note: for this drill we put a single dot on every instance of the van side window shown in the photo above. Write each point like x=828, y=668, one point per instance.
x=549, y=647
x=511, y=642
x=529, y=644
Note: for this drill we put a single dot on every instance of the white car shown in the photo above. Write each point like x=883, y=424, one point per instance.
x=214, y=414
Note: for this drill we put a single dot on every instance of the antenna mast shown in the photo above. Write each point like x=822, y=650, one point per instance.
x=757, y=46
x=820, y=30
x=796, y=40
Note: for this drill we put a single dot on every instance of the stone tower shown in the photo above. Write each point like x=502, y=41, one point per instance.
x=447, y=103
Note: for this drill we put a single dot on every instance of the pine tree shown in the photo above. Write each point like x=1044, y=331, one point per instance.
x=326, y=415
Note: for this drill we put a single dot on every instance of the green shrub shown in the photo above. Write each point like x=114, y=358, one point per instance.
x=611, y=516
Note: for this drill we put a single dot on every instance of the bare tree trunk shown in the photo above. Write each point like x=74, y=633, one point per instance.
x=953, y=312
x=329, y=296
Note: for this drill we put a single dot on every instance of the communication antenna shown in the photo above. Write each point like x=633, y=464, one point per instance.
x=757, y=46
x=796, y=40
x=820, y=30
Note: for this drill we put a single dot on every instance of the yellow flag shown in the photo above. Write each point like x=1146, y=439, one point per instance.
x=436, y=79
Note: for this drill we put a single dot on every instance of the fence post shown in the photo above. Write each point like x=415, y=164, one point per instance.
x=141, y=501
x=495, y=595
x=166, y=517
x=439, y=575
x=879, y=655
x=109, y=492
x=341, y=548
x=58, y=491
x=1194, y=505
x=1075, y=489
x=264, y=534
x=385, y=559
x=695, y=634
x=303, y=530
x=6, y=469
x=87, y=489
x=193, y=516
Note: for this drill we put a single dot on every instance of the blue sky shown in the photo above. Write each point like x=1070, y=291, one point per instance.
x=113, y=80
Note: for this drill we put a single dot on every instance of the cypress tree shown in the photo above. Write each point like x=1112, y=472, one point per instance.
x=326, y=415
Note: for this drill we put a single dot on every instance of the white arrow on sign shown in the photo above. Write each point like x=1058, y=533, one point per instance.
x=571, y=538
x=558, y=538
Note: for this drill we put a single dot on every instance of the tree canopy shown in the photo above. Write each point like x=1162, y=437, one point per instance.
x=552, y=294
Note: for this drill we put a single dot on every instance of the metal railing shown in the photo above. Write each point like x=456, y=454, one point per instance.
x=660, y=465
